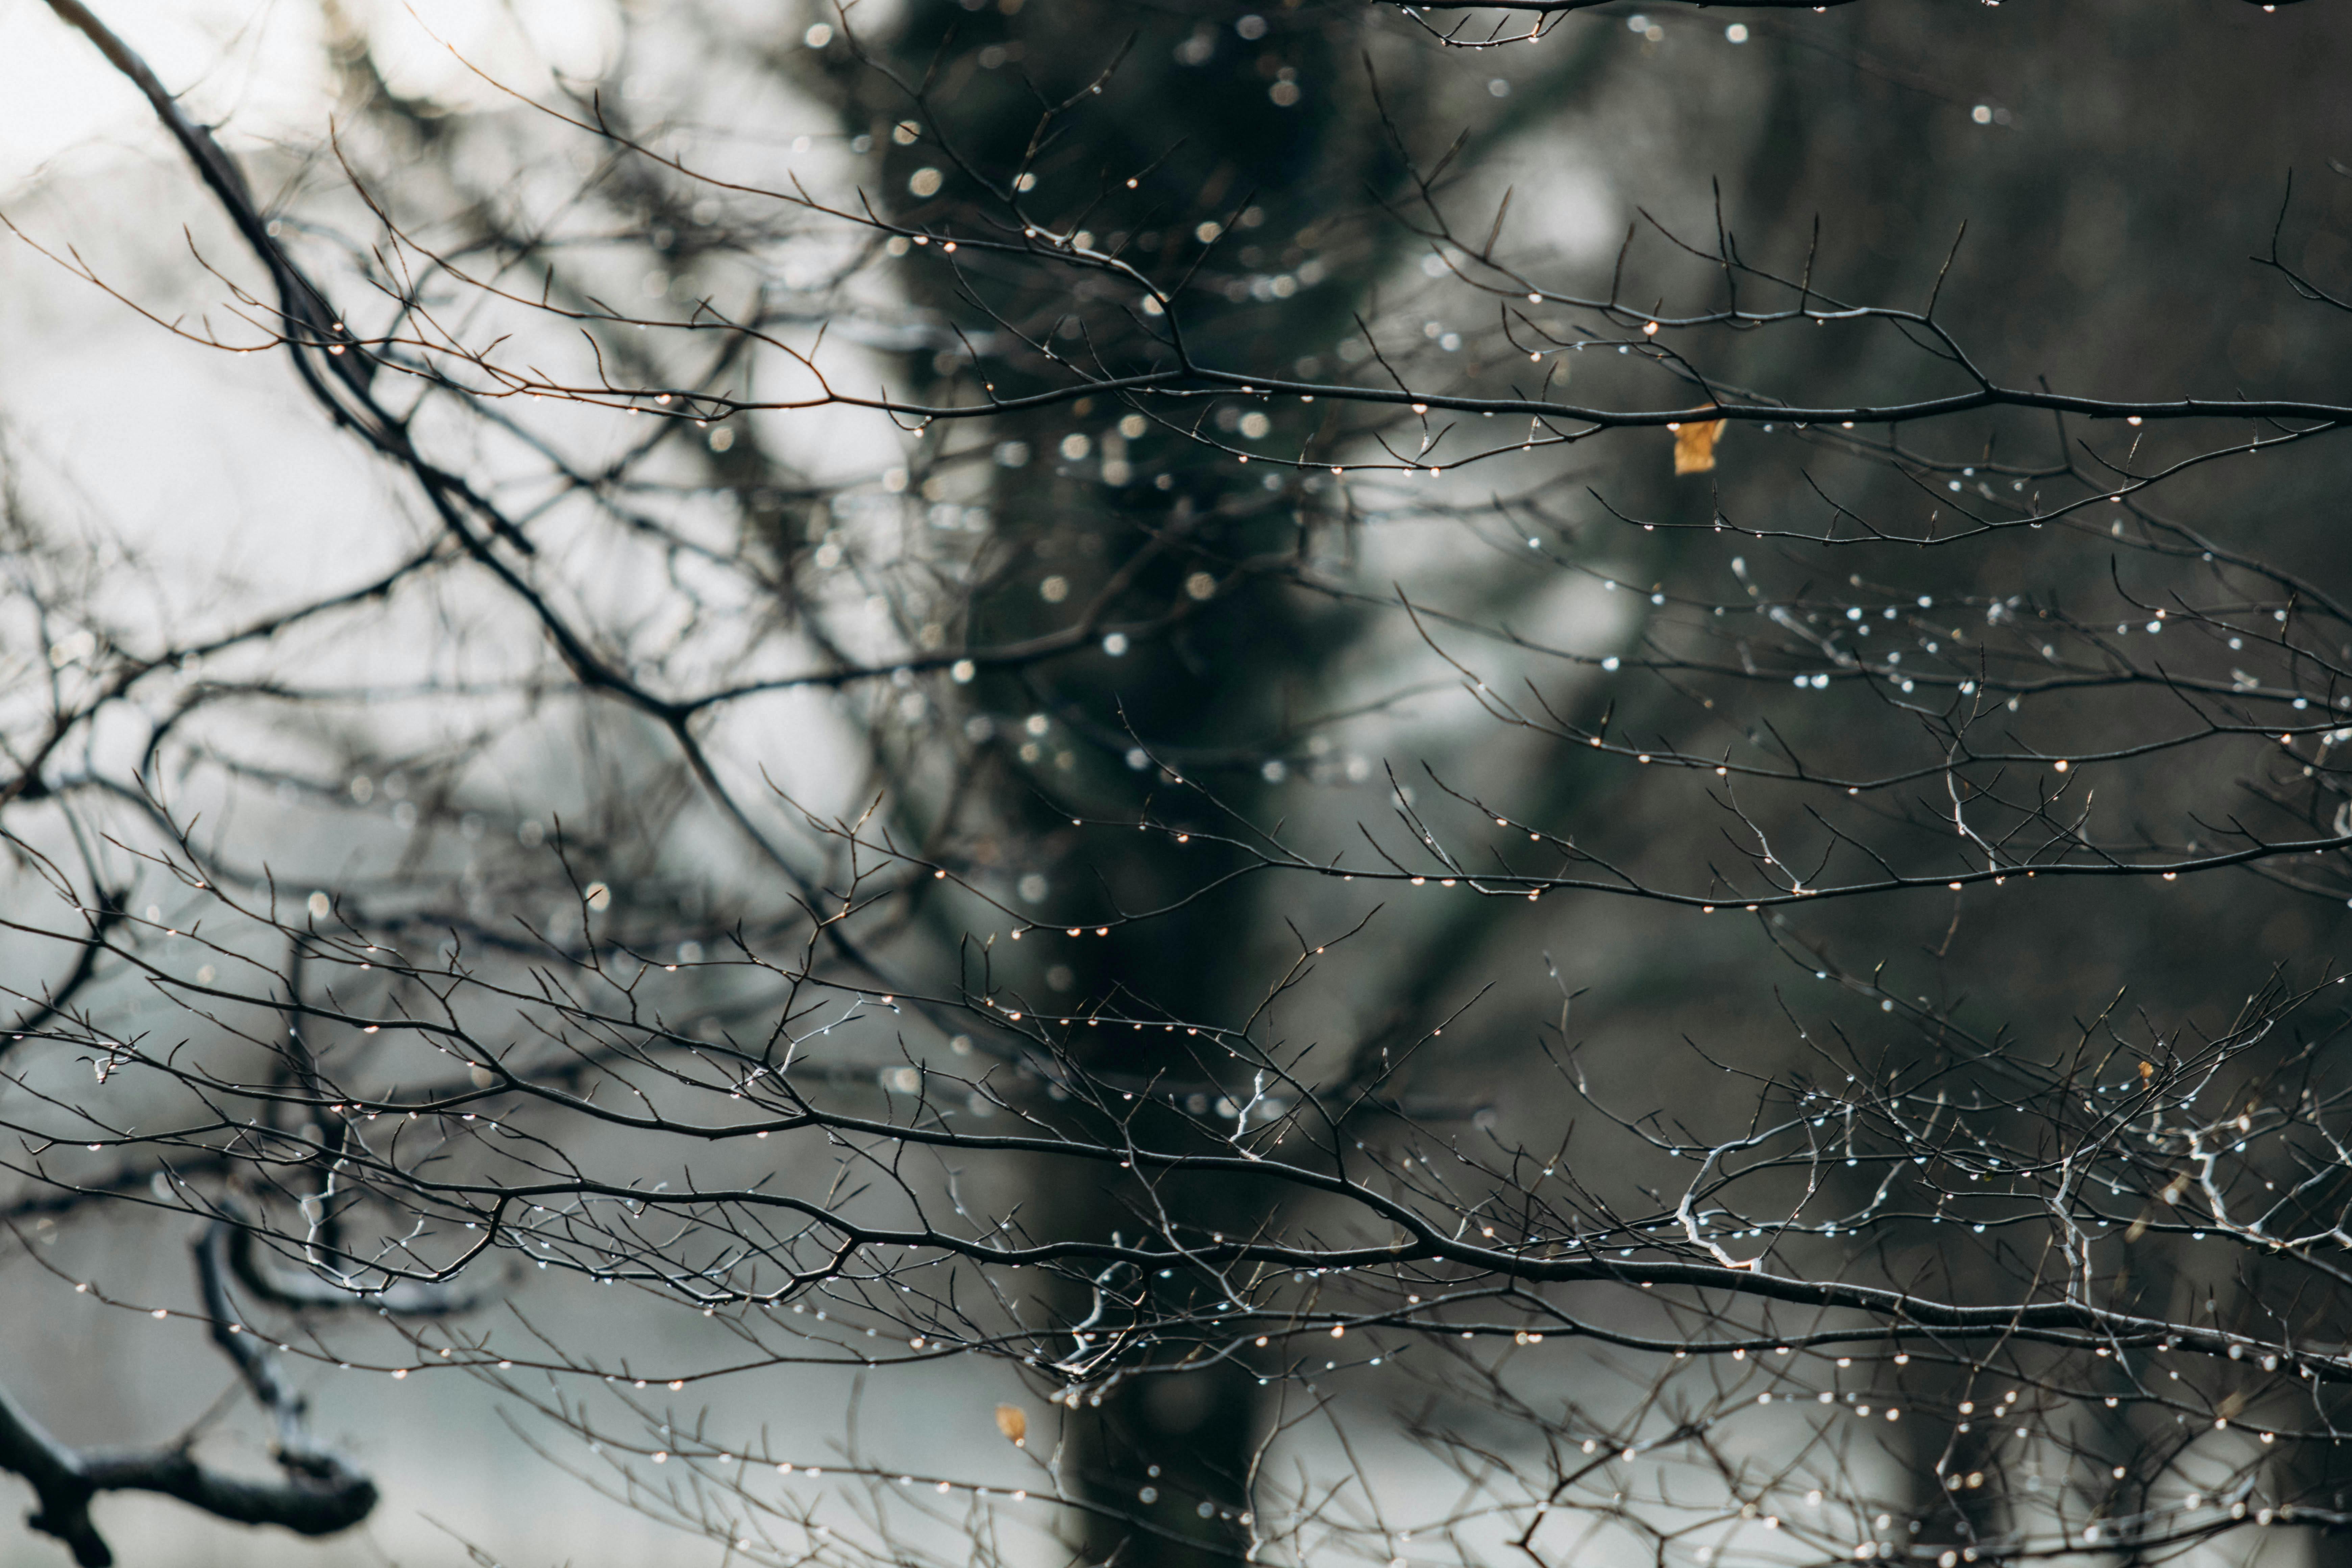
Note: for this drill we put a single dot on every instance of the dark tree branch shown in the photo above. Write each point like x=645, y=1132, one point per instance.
x=320, y=1494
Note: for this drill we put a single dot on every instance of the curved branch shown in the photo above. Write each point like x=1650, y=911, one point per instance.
x=320, y=1494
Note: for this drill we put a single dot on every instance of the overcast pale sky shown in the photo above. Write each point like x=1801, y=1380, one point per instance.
x=256, y=67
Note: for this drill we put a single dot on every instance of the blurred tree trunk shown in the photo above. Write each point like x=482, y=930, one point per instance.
x=1268, y=127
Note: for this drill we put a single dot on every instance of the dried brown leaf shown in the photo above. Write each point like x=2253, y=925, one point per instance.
x=1695, y=446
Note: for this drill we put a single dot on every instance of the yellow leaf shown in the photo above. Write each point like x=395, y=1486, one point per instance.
x=1695, y=446
x=1012, y=1422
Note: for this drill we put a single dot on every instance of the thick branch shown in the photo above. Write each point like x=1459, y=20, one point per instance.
x=320, y=1494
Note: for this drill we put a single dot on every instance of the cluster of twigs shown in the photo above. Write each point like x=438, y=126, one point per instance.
x=1870, y=1298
